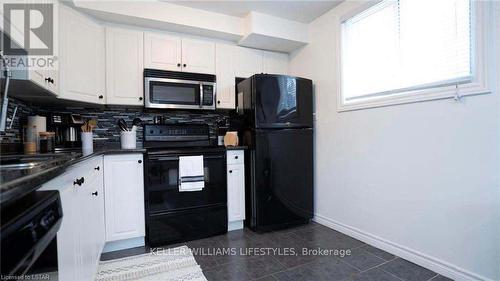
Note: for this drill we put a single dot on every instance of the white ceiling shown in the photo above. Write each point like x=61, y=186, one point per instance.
x=301, y=11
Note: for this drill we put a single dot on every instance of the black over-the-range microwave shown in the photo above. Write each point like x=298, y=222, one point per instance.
x=179, y=90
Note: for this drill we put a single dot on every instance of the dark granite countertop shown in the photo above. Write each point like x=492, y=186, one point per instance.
x=15, y=183
x=18, y=182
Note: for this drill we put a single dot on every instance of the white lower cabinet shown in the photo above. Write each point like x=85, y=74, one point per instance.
x=235, y=189
x=124, y=200
x=80, y=239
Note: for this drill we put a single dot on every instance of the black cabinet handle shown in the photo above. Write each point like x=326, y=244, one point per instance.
x=94, y=193
x=97, y=168
x=79, y=181
x=139, y=161
x=101, y=96
x=50, y=80
x=140, y=98
x=235, y=157
x=184, y=65
x=218, y=102
x=230, y=171
x=178, y=65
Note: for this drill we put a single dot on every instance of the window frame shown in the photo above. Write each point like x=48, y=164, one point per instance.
x=482, y=66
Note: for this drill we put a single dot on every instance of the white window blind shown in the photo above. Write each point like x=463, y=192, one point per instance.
x=398, y=46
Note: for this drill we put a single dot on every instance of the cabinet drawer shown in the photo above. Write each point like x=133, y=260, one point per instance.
x=235, y=157
x=91, y=170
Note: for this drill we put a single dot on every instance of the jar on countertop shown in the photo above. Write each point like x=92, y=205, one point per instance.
x=47, y=141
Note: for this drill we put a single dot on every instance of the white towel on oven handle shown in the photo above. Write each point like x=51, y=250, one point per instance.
x=191, y=173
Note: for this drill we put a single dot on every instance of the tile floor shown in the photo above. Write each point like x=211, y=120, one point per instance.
x=255, y=256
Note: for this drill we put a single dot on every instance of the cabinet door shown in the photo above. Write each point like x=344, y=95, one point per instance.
x=198, y=56
x=68, y=257
x=224, y=58
x=248, y=62
x=81, y=57
x=162, y=51
x=275, y=63
x=95, y=206
x=86, y=220
x=235, y=192
x=124, y=200
x=81, y=236
x=124, y=66
x=38, y=76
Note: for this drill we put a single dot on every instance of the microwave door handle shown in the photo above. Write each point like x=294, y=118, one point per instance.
x=201, y=95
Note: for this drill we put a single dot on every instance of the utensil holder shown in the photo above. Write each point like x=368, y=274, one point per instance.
x=87, y=142
x=128, y=139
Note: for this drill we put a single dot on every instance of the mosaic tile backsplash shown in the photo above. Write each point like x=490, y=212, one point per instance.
x=107, y=130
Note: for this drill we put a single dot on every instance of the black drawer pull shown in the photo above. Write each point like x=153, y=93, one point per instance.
x=139, y=161
x=79, y=181
x=235, y=157
x=94, y=193
x=230, y=171
x=97, y=168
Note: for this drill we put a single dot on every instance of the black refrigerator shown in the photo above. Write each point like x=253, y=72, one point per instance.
x=276, y=123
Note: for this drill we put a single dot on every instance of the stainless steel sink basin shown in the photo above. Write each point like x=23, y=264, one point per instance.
x=14, y=162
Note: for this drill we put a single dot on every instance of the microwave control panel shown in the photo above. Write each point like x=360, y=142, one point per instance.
x=208, y=95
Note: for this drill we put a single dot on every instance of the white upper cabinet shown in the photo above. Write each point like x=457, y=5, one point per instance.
x=247, y=62
x=168, y=52
x=275, y=63
x=198, y=56
x=233, y=61
x=224, y=57
x=162, y=51
x=81, y=60
x=124, y=66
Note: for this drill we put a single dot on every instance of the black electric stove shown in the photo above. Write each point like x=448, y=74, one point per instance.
x=173, y=216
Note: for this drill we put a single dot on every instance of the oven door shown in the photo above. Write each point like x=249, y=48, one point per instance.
x=162, y=186
x=176, y=93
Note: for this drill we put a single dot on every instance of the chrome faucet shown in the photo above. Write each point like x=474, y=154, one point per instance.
x=5, y=102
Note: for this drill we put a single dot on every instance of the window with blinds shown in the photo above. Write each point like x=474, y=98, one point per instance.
x=399, y=46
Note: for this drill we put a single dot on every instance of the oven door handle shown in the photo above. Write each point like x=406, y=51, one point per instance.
x=176, y=158
x=201, y=95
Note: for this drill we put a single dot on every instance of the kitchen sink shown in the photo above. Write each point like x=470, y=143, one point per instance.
x=16, y=166
x=14, y=162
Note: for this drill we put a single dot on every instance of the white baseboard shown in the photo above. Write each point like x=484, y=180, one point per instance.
x=123, y=244
x=434, y=264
